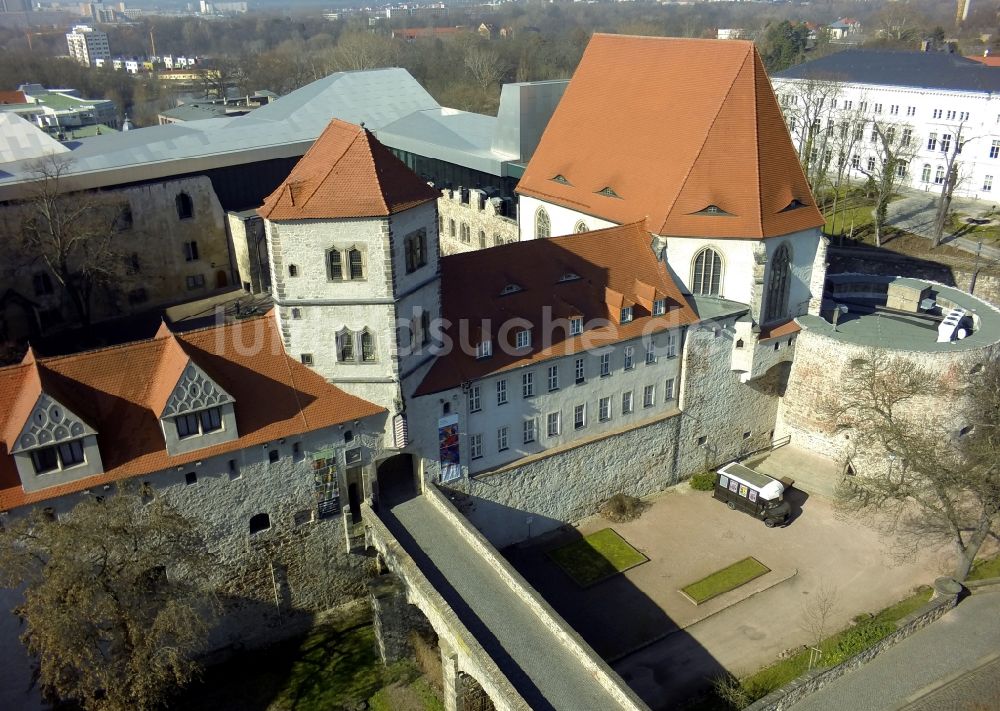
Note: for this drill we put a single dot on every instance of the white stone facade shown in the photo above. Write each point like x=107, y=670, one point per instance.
x=562, y=220
x=927, y=113
x=313, y=310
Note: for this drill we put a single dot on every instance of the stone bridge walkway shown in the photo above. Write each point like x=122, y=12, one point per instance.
x=542, y=669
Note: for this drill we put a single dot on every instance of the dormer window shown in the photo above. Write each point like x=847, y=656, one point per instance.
x=626, y=314
x=659, y=307
x=608, y=191
x=568, y=276
x=198, y=423
x=560, y=179
x=484, y=349
x=793, y=205
x=523, y=338
x=576, y=326
x=715, y=211
x=57, y=457
x=510, y=289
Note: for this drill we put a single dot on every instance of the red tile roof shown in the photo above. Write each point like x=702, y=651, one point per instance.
x=112, y=389
x=13, y=97
x=346, y=173
x=615, y=267
x=989, y=61
x=786, y=328
x=673, y=127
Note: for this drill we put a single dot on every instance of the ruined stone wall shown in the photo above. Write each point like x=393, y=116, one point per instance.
x=480, y=217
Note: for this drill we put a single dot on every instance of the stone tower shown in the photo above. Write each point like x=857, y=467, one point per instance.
x=353, y=242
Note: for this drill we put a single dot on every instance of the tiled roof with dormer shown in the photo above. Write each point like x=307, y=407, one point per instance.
x=118, y=390
x=660, y=129
x=346, y=173
x=590, y=275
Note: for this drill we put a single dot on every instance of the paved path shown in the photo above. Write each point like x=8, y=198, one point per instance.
x=539, y=666
x=953, y=663
x=915, y=213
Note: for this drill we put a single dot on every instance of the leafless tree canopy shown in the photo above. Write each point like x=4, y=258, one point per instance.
x=72, y=235
x=936, y=479
x=114, y=604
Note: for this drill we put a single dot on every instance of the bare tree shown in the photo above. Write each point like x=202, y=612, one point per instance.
x=843, y=144
x=885, y=167
x=363, y=50
x=932, y=476
x=808, y=106
x=485, y=65
x=115, y=607
x=817, y=612
x=73, y=235
x=951, y=145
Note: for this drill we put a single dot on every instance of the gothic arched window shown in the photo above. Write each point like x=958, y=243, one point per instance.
x=367, y=346
x=706, y=273
x=543, y=227
x=185, y=206
x=778, y=283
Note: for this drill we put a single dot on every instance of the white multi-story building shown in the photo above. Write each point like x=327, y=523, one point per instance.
x=86, y=44
x=936, y=103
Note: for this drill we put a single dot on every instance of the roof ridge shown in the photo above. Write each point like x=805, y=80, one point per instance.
x=704, y=142
x=367, y=137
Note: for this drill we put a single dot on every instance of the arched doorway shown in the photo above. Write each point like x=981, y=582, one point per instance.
x=395, y=479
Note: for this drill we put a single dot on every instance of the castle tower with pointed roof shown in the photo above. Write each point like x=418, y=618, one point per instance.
x=352, y=234
x=685, y=135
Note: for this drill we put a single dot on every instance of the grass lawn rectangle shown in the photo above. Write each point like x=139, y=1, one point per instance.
x=729, y=578
x=596, y=557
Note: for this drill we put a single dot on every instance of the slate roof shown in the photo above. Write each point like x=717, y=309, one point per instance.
x=684, y=134
x=920, y=70
x=615, y=267
x=116, y=391
x=346, y=173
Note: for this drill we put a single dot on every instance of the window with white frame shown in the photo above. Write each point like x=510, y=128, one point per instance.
x=626, y=314
x=578, y=371
x=706, y=276
x=911, y=110
x=659, y=307
x=871, y=163
x=925, y=174
x=894, y=109
x=605, y=361
x=987, y=183
x=543, y=226
x=502, y=391
x=475, y=399
x=530, y=430
x=995, y=149
x=649, y=396
x=59, y=456
x=629, y=357
x=951, y=115
x=476, y=446
x=552, y=424
x=878, y=108
x=668, y=389
x=855, y=161
x=502, y=439
x=580, y=417
x=939, y=175
x=901, y=168
x=671, y=345
x=937, y=113
x=932, y=142
x=484, y=349
x=576, y=326
x=604, y=409
x=906, y=137
x=198, y=423
x=945, y=142
x=862, y=106
x=626, y=402
x=651, y=354
x=527, y=384
x=523, y=338
x=553, y=377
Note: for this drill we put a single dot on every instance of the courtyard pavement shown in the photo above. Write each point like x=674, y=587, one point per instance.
x=667, y=648
x=915, y=212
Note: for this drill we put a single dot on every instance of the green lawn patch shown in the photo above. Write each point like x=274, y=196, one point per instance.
x=987, y=568
x=596, y=557
x=334, y=667
x=721, y=581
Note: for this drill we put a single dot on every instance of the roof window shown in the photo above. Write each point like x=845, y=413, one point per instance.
x=714, y=210
x=510, y=289
x=795, y=204
x=608, y=191
x=569, y=276
x=560, y=178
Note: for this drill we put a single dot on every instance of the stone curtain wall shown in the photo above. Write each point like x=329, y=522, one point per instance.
x=480, y=214
x=821, y=364
x=946, y=597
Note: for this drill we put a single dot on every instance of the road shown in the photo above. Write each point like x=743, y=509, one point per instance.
x=953, y=663
x=545, y=672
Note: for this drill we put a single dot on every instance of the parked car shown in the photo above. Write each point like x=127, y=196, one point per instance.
x=759, y=495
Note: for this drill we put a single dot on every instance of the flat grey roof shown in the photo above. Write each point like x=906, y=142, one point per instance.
x=284, y=128
x=909, y=333
x=450, y=135
x=924, y=70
